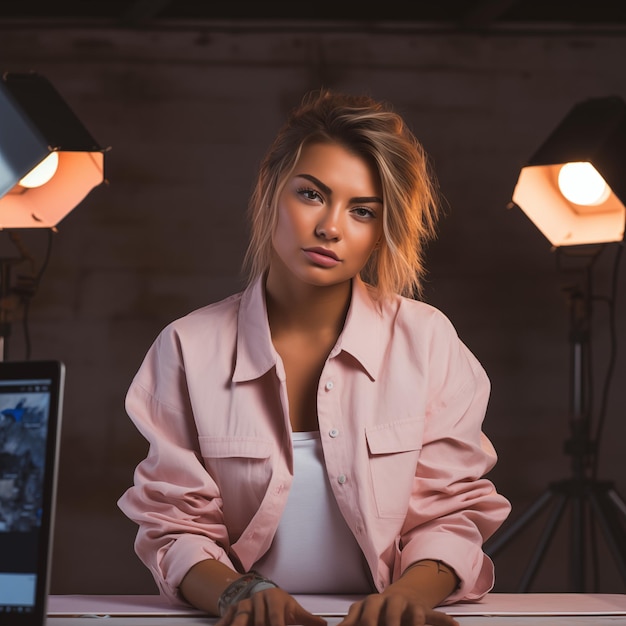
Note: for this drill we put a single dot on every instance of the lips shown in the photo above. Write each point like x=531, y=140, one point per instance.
x=323, y=252
x=321, y=257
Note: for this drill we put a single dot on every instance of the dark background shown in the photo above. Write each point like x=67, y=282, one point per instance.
x=188, y=95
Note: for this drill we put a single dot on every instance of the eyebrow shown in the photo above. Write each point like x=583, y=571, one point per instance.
x=328, y=191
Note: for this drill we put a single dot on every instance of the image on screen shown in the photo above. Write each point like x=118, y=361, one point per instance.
x=24, y=411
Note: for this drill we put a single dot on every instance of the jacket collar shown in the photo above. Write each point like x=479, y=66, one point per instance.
x=361, y=337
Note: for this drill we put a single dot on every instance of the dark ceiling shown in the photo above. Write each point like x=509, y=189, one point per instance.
x=456, y=15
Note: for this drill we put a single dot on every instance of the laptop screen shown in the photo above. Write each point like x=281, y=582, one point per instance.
x=30, y=412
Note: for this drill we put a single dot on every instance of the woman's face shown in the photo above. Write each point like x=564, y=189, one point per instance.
x=330, y=216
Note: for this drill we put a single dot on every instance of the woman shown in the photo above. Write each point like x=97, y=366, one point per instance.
x=320, y=432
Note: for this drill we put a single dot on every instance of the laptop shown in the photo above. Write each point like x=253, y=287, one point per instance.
x=31, y=396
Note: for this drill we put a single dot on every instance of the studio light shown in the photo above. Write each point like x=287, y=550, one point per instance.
x=574, y=187
x=574, y=190
x=48, y=160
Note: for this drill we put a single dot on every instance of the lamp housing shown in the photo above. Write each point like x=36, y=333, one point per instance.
x=593, y=132
x=35, y=122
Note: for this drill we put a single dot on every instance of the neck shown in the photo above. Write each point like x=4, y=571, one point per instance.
x=307, y=308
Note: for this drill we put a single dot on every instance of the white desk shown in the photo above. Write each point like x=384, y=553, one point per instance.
x=533, y=609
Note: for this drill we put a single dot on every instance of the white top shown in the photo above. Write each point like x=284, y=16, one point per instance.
x=313, y=550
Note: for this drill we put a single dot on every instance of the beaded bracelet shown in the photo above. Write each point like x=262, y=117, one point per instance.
x=243, y=588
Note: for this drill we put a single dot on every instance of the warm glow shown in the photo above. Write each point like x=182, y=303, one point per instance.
x=41, y=173
x=581, y=184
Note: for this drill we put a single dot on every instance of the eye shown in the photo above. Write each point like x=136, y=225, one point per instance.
x=309, y=193
x=364, y=212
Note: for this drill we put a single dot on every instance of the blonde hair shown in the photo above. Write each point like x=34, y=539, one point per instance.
x=372, y=130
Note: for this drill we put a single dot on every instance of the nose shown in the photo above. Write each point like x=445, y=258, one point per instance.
x=328, y=227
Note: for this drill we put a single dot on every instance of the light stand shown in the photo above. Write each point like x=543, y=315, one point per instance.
x=6, y=265
x=588, y=498
x=17, y=293
x=593, y=135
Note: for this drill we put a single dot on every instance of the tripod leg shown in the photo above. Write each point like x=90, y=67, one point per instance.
x=493, y=546
x=617, y=501
x=613, y=532
x=544, y=542
x=578, y=542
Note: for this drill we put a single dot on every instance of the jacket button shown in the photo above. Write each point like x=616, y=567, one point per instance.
x=333, y=432
x=341, y=479
x=329, y=385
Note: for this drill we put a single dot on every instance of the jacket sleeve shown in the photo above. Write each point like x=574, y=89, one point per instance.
x=454, y=508
x=173, y=500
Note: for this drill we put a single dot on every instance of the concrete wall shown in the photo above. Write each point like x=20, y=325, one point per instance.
x=188, y=114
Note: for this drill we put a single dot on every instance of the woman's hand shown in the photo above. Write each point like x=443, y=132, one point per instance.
x=270, y=606
x=409, y=600
x=394, y=609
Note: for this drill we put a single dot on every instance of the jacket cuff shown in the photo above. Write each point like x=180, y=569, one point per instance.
x=180, y=557
x=472, y=566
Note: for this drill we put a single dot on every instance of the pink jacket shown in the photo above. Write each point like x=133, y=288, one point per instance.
x=401, y=402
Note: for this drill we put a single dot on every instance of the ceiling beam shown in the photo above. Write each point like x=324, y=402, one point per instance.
x=483, y=13
x=140, y=12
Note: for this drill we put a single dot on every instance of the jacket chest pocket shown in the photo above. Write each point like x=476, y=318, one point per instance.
x=394, y=450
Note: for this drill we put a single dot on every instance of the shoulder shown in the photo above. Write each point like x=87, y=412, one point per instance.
x=420, y=318
x=432, y=332
x=212, y=316
x=398, y=320
x=199, y=338
x=200, y=329
x=222, y=310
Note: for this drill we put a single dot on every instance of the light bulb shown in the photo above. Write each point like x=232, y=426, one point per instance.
x=41, y=173
x=581, y=184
